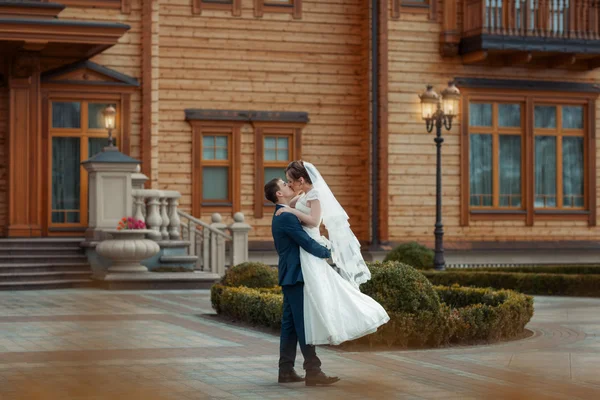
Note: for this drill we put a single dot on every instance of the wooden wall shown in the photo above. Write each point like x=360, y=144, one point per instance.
x=4, y=117
x=125, y=57
x=315, y=64
x=414, y=61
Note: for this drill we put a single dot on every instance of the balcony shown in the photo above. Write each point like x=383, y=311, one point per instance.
x=539, y=33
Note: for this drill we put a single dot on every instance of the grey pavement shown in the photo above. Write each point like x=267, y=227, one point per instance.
x=92, y=344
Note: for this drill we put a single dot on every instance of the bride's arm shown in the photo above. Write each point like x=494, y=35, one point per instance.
x=312, y=220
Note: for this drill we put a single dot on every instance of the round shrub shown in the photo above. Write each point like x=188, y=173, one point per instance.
x=412, y=253
x=401, y=288
x=252, y=275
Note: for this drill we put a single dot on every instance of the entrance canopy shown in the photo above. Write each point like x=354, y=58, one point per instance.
x=34, y=26
x=33, y=40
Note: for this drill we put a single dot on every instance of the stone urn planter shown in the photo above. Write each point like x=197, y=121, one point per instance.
x=127, y=249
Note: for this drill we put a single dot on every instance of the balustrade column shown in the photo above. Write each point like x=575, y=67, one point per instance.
x=239, y=234
x=164, y=216
x=174, y=220
x=153, y=219
x=217, y=246
x=139, y=205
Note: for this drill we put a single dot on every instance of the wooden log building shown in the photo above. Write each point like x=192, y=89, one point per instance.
x=217, y=96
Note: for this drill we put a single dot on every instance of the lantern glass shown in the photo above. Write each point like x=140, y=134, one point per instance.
x=428, y=109
x=450, y=106
x=110, y=117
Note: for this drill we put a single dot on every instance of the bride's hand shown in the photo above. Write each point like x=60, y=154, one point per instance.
x=284, y=209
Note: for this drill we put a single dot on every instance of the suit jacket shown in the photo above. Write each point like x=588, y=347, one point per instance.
x=289, y=237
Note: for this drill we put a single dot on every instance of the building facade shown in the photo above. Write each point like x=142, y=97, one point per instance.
x=216, y=97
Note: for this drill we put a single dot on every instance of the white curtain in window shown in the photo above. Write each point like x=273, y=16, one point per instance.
x=480, y=168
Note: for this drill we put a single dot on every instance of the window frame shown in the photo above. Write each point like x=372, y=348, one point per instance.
x=414, y=7
x=235, y=6
x=272, y=129
x=264, y=6
x=529, y=213
x=216, y=128
x=123, y=5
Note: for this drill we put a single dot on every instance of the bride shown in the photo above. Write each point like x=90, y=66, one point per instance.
x=335, y=310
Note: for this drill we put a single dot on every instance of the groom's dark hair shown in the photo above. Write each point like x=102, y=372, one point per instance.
x=271, y=190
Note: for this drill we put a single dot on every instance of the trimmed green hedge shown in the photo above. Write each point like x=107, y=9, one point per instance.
x=541, y=269
x=463, y=315
x=252, y=275
x=479, y=314
x=485, y=314
x=530, y=283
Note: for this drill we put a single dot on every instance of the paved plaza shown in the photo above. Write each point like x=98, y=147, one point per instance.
x=92, y=344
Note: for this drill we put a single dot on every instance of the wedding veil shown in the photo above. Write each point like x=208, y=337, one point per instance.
x=345, y=248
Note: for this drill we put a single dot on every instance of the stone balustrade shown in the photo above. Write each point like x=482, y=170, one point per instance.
x=208, y=242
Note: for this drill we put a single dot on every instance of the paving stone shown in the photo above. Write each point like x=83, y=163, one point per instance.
x=91, y=344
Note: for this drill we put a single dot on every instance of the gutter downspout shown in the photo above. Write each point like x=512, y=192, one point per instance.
x=374, y=124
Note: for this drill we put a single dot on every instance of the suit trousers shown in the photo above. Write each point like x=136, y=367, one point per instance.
x=292, y=332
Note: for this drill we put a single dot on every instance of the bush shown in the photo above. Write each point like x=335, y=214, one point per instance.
x=400, y=288
x=252, y=275
x=530, y=283
x=413, y=254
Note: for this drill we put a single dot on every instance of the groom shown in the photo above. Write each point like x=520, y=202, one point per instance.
x=289, y=236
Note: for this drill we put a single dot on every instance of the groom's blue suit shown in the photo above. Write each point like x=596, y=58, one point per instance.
x=289, y=237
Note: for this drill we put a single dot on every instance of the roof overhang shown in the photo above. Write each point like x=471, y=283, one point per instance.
x=29, y=9
x=60, y=39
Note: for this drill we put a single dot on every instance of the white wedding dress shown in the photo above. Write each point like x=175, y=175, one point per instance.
x=335, y=311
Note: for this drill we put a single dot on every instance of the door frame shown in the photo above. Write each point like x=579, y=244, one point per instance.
x=121, y=132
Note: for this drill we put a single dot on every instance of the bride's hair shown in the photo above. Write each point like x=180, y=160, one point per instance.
x=296, y=170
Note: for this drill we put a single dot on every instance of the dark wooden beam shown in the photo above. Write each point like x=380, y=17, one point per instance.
x=474, y=58
x=593, y=63
x=562, y=61
x=518, y=58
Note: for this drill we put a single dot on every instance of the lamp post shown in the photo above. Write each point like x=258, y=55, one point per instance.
x=109, y=123
x=439, y=111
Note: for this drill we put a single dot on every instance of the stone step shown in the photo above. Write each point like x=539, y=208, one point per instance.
x=45, y=258
x=40, y=242
x=44, y=276
x=42, y=250
x=182, y=259
x=47, y=284
x=44, y=267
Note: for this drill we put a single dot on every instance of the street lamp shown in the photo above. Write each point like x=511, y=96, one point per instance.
x=439, y=111
x=109, y=123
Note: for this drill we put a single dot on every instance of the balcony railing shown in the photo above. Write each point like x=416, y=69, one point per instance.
x=575, y=19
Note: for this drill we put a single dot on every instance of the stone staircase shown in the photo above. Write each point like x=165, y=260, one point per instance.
x=45, y=263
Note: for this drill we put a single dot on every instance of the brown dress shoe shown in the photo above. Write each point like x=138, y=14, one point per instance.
x=289, y=377
x=320, y=379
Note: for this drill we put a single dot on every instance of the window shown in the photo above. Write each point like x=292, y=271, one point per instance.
x=216, y=167
x=414, y=7
x=496, y=135
x=293, y=7
x=76, y=133
x=276, y=147
x=559, y=157
x=527, y=158
x=235, y=6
